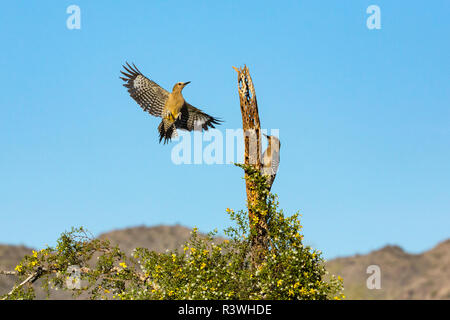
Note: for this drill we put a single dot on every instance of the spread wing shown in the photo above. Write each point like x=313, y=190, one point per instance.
x=195, y=119
x=148, y=94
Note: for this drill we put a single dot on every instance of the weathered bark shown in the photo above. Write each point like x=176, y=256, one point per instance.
x=252, y=156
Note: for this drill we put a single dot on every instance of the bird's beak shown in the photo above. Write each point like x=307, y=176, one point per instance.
x=186, y=83
x=265, y=135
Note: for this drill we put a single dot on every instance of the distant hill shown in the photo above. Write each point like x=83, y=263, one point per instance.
x=9, y=258
x=158, y=238
x=403, y=275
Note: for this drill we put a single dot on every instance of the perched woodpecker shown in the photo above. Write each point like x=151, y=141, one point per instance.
x=271, y=159
x=175, y=112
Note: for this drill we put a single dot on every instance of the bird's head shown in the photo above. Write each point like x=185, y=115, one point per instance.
x=179, y=86
x=273, y=140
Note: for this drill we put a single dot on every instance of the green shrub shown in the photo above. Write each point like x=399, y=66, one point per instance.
x=206, y=268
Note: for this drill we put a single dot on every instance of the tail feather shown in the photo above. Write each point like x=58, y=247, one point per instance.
x=167, y=131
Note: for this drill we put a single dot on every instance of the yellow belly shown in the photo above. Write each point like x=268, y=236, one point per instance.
x=171, y=117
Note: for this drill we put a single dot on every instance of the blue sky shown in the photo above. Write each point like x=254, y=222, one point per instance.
x=364, y=117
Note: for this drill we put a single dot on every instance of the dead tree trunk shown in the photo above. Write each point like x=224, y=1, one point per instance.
x=252, y=156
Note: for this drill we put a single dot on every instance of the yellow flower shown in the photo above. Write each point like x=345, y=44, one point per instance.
x=296, y=285
x=279, y=282
x=123, y=265
x=18, y=268
x=35, y=254
x=174, y=257
x=203, y=265
x=291, y=292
